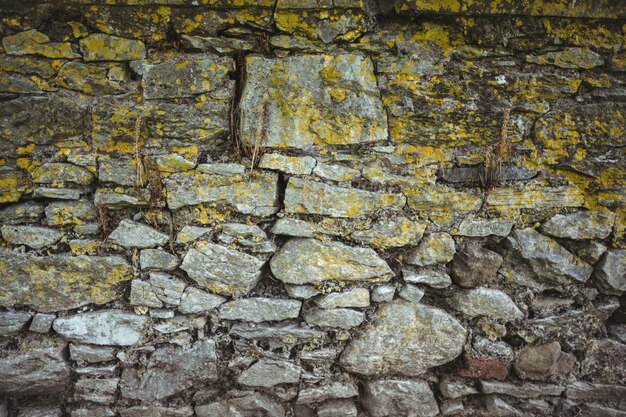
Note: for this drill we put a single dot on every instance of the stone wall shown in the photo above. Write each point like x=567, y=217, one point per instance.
x=312, y=208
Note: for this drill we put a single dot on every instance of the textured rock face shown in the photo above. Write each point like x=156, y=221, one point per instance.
x=611, y=272
x=486, y=302
x=411, y=397
x=404, y=338
x=103, y=327
x=315, y=98
x=60, y=282
x=137, y=235
x=302, y=261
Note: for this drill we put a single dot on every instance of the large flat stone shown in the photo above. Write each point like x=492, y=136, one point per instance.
x=130, y=234
x=306, y=100
x=259, y=309
x=610, y=273
x=303, y=261
x=404, y=338
x=487, y=302
x=269, y=372
x=245, y=404
x=311, y=197
x=103, y=327
x=580, y=225
x=397, y=397
x=34, y=236
x=60, y=282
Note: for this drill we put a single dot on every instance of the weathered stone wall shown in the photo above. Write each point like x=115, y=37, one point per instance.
x=312, y=208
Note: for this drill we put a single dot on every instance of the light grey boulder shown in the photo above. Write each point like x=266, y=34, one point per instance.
x=12, y=322
x=35, y=237
x=195, y=300
x=157, y=260
x=103, y=327
x=41, y=323
x=610, y=273
x=580, y=225
x=486, y=302
x=130, y=234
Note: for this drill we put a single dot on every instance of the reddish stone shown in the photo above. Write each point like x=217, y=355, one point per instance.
x=485, y=368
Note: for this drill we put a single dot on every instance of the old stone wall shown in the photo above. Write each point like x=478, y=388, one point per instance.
x=330, y=208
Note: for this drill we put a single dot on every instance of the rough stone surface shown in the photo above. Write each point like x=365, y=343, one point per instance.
x=430, y=277
x=580, y=225
x=325, y=391
x=131, y=234
x=32, y=236
x=395, y=232
x=435, y=248
x=474, y=266
x=42, y=323
x=304, y=261
x=343, y=318
x=268, y=372
x=247, y=403
x=195, y=300
x=475, y=227
x=358, y=297
x=611, y=272
x=12, y=322
x=260, y=309
x=411, y=397
x=395, y=342
x=486, y=302
x=103, y=327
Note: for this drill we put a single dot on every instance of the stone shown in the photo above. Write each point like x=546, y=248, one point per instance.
x=37, y=368
x=13, y=184
x=63, y=282
x=404, y=338
x=88, y=79
x=221, y=46
x=497, y=407
x=391, y=233
x=357, y=297
x=326, y=391
x=91, y=354
x=525, y=390
x=383, y=293
x=434, y=249
x=456, y=389
x=474, y=266
x=63, y=213
x=288, y=164
x=610, y=272
x=285, y=333
x=118, y=171
x=167, y=288
x=32, y=236
x=306, y=261
x=26, y=212
x=190, y=234
x=311, y=197
x=318, y=99
x=222, y=270
x=245, y=404
x=600, y=411
x=157, y=260
x=300, y=228
x=398, y=397
x=179, y=324
x=488, y=360
x=103, y=47
x=245, y=193
x=452, y=407
x=157, y=411
x=549, y=260
x=411, y=293
x=58, y=173
x=195, y=300
x=103, y=327
x=251, y=237
x=543, y=361
x=33, y=42
x=539, y=198
x=580, y=225
x=112, y=199
x=258, y=309
x=268, y=372
x=584, y=391
x=487, y=302
x=302, y=292
x=42, y=323
x=57, y=193
x=130, y=234
x=40, y=411
x=601, y=355
x=570, y=58
x=170, y=370
x=97, y=391
x=444, y=199
x=142, y=294
x=343, y=318
x=337, y=408
x=432, y=278
x=12, y=322
x=335, y=172
x=185, y=76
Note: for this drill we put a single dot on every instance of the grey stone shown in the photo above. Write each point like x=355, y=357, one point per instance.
x=610, y=273
x=335, y=172
x=326, y=391
x=475, y=227
x=542, y=361
x=190, y=234
x=142, y=294
x=394, y=232
x=40, y=411
x=337, y=408
x=33, y=236
x=383, y=293
x=580, y=225
x=258, y=309
x=161, y=313
x=222, y=46
x=12, y=322
x=571, y=58
x=343, y=318
x=486, y=302
x=117, y=200
x=97, y=371
x=103, y=47
x=397, y=397
x=57, y=193
x=222, y=270
x=596, y=410
x=167, y=288
x=525, y=390
x=27, y=212
x=288, y=164
x=474, y=266
x=404, y=338
x=195, y=300
x=157, y=260
x=130, y=234
x=300, y=228
x=302, y=292
x=179, y=324
x=584, y=391
x=91, y=354
x=304, y=261
x=61, y=213
x=497, y=407
x=42, y=323
x=38, y=368
x=456, y=389
x=97, y=391
x=63, y=282
x=452, y=407
x=93, y=412
x=434, y=249
x=329, y=95
x=548, y=259
x=411, y=293
x=285, y=333
x=58, y=172
x=357, y=297
x=601, y=355
x=256, y=195
x=157, y=411
x=118, y=171
x=311, y=197
x=617, y=331
x=430, y=277
x=103, y=327
x=171, y=370
x=268, y=372
x=246, y=404
x=251, y=237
